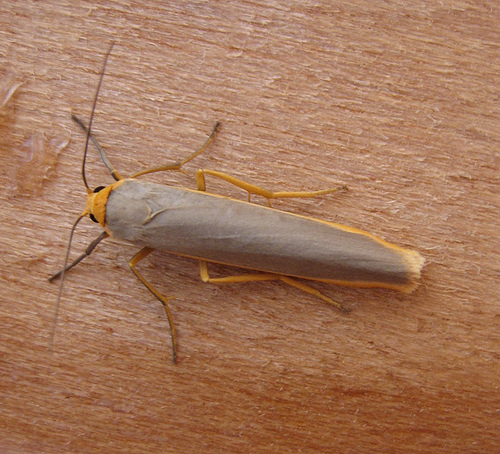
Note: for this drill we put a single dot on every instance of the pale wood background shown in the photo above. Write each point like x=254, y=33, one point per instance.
x=398, y=100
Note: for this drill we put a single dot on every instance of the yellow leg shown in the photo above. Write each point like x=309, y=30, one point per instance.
x=234, y=279
x=265, y=277
x=252, y=189
x=177, y=165
x=142, y=254
x=306, y=288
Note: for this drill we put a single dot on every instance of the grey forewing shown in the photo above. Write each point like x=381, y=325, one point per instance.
x=237, y=233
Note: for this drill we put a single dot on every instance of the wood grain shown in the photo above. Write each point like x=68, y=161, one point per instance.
x=399, y=100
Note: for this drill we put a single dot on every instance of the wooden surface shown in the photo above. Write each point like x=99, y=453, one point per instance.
x=398, y=100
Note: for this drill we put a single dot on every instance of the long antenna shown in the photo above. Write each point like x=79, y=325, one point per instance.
x=66, y=259
x=59, y=293
x=92, y=117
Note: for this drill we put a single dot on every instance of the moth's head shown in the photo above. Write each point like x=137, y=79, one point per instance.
x=96, y=203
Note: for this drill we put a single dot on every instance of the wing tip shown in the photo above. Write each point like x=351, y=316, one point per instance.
x=415, y=263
